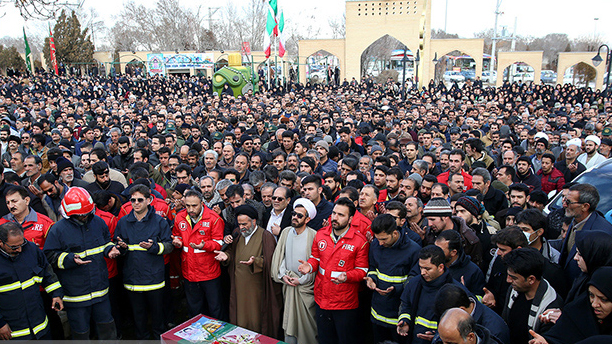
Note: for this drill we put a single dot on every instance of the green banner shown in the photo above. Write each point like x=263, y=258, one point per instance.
x=28, y=52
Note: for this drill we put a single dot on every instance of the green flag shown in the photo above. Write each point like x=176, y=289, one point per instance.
x=28, y=53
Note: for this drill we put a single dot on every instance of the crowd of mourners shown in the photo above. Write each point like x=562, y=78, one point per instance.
x=357, y=212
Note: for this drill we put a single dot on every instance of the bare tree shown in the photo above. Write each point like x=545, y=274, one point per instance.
x=39, y=9
x=338, y=26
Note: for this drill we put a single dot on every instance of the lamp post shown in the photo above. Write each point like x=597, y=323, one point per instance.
x=404, y=60
x=417, y=59
x=597, y=60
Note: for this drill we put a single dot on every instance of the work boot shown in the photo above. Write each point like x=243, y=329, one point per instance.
x=80, y=336
x=107, y=331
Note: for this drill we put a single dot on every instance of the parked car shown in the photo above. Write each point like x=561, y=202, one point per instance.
x=598, y=176
x=469, y=74
x=490, y=77
x=453, y=76
x=548, y=77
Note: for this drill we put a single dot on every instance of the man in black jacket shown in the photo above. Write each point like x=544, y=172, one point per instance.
x=279, y=217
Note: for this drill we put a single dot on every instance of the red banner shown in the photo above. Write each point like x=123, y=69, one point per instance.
x=52, y=52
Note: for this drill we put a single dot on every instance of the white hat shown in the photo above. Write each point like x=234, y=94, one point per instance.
x=308, y=205
x=541, y=134
x=575, y=141
x=593, y=138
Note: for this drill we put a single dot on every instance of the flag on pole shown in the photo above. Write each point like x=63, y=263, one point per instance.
x=281, y=36
x=271, y=26
x=28, y=52
x=52, y=52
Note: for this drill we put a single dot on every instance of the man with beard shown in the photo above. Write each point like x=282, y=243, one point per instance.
x=519, y=197
x=393, y=179
x=255, y=300
x=198, y=231
x=392, y=256
x=494, y=200
x=54, y=192
x=540, y=148
x=103, y=182
x=440, y=217
x=65, y=169
x=210, y=196
x=295, y=244
x=455, y=165
x=571, y=167
x=339, y=259
x=125, y=158
x=525, y=175
x=425, y=190
x=591, y=157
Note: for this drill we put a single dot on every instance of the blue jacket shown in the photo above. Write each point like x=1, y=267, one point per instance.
x=21, y=305
x=324, y=210
x=487, y=317
x=143, y=270
x=567, y=262
x=417, y=306
x=390, y=267
x=85, y=284
x=471, y=273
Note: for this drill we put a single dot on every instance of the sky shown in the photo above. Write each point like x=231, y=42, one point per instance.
x=465, y=17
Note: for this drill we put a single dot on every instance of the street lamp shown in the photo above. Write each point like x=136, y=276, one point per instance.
x=597, y=60
x=417, y=59
x=404, y=60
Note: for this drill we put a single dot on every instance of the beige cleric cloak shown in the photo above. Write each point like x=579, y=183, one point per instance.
x=299, y=314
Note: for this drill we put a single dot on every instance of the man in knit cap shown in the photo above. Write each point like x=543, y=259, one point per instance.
x=471, y=210
x=440, y=217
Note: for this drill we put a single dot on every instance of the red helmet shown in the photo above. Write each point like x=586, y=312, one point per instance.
x=77, y=201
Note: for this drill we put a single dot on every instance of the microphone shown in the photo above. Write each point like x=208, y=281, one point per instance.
x=234, y=236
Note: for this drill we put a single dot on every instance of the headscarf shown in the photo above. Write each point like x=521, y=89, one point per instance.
x=595, y=248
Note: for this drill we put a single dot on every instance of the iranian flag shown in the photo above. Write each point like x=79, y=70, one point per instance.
x=271, y=26
x=52, y=52
x=281, y=36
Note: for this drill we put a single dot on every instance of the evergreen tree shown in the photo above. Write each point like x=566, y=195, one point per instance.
x=10, y=58
x=72, y=44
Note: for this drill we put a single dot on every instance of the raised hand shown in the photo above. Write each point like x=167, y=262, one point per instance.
x=304, y=267
x=79, y=261
x=221, y=256
x=197, y=246
x=488, y=299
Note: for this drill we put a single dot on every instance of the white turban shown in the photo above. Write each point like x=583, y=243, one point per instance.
x=308, y=205
x=594, y=139
x=541, y=135
x=575, y=141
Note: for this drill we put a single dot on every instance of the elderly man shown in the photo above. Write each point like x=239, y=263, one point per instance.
x=295, y=244
x=458, y=326
x=65, y=170
x=255, y=299
x=571, y=167
x=278, y=217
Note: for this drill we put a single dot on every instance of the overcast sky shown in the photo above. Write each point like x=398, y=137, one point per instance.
x=465, y=17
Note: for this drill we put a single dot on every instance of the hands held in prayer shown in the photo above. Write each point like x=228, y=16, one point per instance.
x=340, y=279
x=370, y=283
x=121, y=243
x=429, y=335
x=57, y=303
x=221, y=256
x=488, y=299
x=550, y=315
x=146, y=244
x=177, y=242
x=304, y=267
x=537, y=339
x=114, y=253
x=403, y=328
x=197, y=246
x=248, y=262
x=292, y=281
x=79, y=261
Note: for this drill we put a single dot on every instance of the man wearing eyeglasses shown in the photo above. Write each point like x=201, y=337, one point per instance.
x=295, y=244
x=581, y=205
x=278, y=217
x=23, y=268
x=143, y=238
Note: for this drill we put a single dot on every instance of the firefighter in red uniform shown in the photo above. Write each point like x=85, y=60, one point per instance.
x=340, y=260
x=198, y=232
x=35, y=228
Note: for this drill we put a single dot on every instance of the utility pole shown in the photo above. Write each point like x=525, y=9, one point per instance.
x=493, y=46
x=211, y=13
x=445, y=15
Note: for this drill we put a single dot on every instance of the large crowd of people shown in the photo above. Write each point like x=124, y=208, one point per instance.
x=357, y=212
